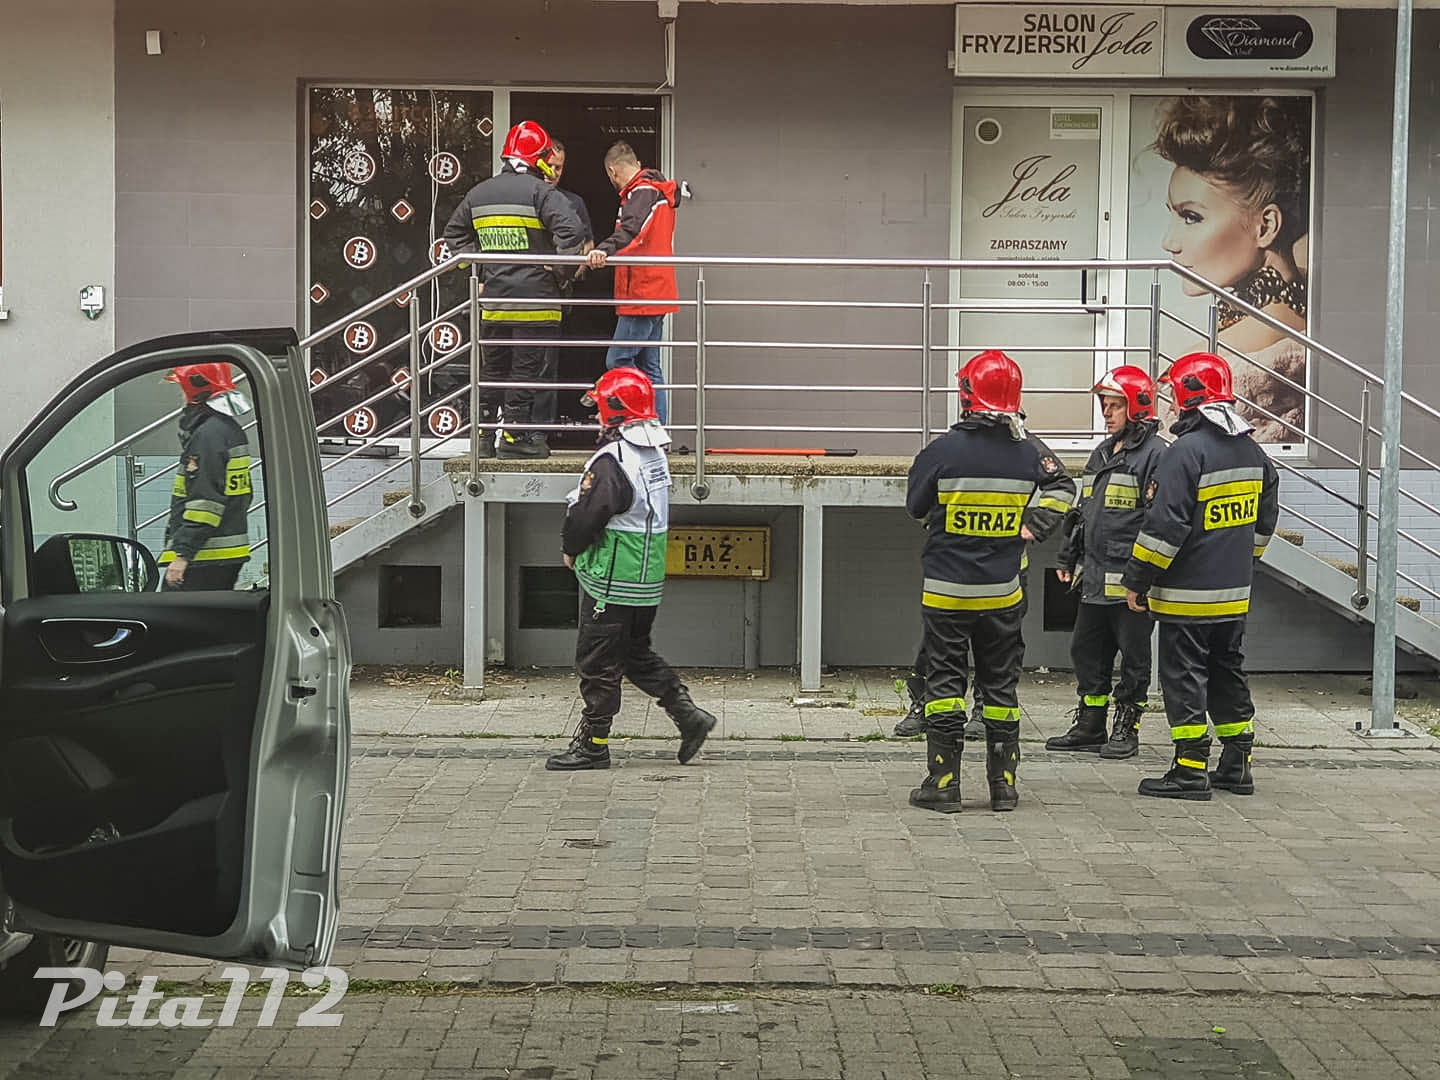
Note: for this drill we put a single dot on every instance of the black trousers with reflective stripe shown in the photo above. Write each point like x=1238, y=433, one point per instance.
x=508, y=355
x=999, y=651
x=1102, y=630
x=1202, y=670
x=614, y=644
x=916, y=682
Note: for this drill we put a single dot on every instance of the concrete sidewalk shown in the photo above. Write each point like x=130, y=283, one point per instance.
x=856, y=703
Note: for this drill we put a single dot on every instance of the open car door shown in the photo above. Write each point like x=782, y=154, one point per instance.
x=173, y=759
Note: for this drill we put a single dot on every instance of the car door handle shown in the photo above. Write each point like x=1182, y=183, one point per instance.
x=90, y=641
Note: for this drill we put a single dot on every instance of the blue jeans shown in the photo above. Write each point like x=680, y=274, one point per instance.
x=645, y=357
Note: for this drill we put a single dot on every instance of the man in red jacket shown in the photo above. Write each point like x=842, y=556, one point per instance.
x=645, y=225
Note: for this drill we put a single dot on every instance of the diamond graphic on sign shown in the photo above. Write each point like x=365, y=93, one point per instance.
x=486, y=126
x=359, y=167
x=439, y=252
x=444, y=168
x=360, y=336
x=318, y=209
x=316, y=376
x=360, y=252
x=403, y=298
x=319, y=293
x=361, y=422
x=444, y=337
x=403, y=211
x=444, y=421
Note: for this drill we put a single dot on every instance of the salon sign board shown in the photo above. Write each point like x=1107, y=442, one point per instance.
x=1141, y=42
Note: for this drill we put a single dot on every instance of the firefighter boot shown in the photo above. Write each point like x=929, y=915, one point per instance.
x=589, y=749
x=975, y=726
x=914, y=722
x=1125, y=737
x=1087, y=732
x=940, y=790
x=1187, y=778
x=1233, y=772
x=524, y=444
x=1002, y=761
x=695, y=723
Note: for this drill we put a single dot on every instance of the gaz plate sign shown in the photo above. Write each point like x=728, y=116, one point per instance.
x=719, y=551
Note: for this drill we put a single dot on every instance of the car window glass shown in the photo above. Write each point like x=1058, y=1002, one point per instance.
x=147, y=473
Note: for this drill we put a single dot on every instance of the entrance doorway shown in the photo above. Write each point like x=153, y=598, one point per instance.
x=587, y=124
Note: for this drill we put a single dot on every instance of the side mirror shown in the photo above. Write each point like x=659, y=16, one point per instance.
x=88, y=563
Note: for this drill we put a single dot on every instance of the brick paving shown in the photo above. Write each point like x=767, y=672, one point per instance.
x=808, y=910
x=780, y=1035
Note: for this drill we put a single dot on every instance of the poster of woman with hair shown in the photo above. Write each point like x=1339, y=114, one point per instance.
x=1221, y=185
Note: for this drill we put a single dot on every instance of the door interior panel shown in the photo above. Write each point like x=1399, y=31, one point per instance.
x=125, y=733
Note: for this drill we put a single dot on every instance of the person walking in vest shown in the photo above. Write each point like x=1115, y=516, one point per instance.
x=516, y=211
x=973, y=488
x=1214, y=503
x=614, y=540
x=645, y=225
x=207, y=537
x=1100, y=534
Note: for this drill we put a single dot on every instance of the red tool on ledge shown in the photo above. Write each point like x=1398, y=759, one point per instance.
x=778, y=451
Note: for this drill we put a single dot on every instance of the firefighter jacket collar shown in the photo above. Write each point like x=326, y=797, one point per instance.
x=1136, y=432
x=975, y=421
x=1220, y=413
x=645, y=433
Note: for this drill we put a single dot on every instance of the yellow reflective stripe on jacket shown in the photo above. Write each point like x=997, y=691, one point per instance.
x=983, y=498
x=501, y=220
x=1188, y=731
x=540, y=315
x=1262, y=541
x=951, y=596
x=1114, y=583
x=1200, y=603
x=1050, y=502
x=1226, y=731
x=1153, y=550
x=202, y=517
x=1234, y=487
x=1087, y=485
x=944, y=705
x=180, y=489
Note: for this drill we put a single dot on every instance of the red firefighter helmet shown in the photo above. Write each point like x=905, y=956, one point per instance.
x=1199, y=379
x=990, y=382
x=201, y=381
x=623, y=395
x=530, y=143
x=1134, y=385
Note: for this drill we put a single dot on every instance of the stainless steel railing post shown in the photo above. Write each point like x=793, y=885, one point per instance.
x=417, y=505
x=926, y=346
x=475, y=432
x=699, y=488
x=1155, y=326
x=1361, y=599
x=132, y=510
x=1212, y=335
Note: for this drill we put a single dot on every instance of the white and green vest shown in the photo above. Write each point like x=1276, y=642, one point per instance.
x=627, y=564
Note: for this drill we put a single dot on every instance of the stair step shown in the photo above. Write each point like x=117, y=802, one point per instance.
x=393, y=497
x=343, y=526
x=1294, y=537
x=1350, y=568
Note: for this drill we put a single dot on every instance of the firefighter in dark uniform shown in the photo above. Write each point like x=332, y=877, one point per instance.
x=973, y=488
x=614, y=539
x=517, y=211
x=207, y=538
x=1100, y=533
x=1214, y=503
